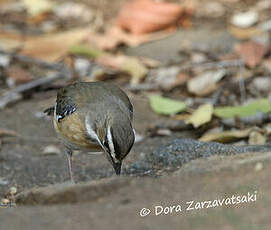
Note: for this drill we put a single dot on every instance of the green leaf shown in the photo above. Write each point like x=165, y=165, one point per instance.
x=262, y=105
x=166, y=106
x=86, y=50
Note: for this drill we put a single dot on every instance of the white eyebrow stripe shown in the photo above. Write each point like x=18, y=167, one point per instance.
x=90, y=131
x=110, y=143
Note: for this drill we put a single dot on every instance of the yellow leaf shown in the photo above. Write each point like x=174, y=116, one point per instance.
x=35, y=7
x=256, y=138
x=226, y=136
x=201, y=116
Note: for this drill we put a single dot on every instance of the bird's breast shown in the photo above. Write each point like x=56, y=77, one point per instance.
x=72, y=131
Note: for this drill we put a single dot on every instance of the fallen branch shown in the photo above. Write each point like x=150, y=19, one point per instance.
x=30, y=60
x=15, y=94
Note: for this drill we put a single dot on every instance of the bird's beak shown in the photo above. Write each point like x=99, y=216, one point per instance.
x=117, y=167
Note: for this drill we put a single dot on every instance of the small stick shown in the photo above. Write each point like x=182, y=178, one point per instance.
x=35, y=61
x=15, y=94
x=141, y=87
x=219, y=64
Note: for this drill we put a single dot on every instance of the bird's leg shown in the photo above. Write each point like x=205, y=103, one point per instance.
x=69, y=156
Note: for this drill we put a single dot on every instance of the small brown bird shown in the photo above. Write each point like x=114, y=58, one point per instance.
x=94, y=116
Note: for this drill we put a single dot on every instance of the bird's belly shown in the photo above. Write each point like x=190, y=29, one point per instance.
x=73, y=134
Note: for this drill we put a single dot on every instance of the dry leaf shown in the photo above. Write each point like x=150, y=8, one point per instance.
x=17, y=75
x=73, y=10
x=205, y=83
x=242, y=34
x=144, y=16
x=10, y=41
x=245, y=19
x=135, y=68
x=251, y=52
x=53, y=46
x=226, y=136
x=35, y=7
x=201, y=116
x=12, y=191
x=256, y=138
x=114, y=36
x=6, y=132
x=131, y=65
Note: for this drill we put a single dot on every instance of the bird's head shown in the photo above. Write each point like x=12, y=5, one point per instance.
x=116, y=137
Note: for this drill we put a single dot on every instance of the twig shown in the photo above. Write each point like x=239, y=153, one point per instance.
x=15, y=94
x=216, y=96
x=220, y=64
x=31, y=139
x=242, y=90
x=35, y=61
x=214, y=65
x=242, y=85
x=140, y=87
x=257, y=119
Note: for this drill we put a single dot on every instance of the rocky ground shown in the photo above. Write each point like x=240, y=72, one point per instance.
x=46, y=202
x=168, y=181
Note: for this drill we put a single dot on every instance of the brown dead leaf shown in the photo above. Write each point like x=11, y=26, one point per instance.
x=53, y=46
x=114, y=36
x=251, y=52
x=7, y=132
x=18, y=75
x=10, y=41
x=144, y=16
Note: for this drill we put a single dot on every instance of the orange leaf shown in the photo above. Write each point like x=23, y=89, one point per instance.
x=51, y=47
x=144, y=16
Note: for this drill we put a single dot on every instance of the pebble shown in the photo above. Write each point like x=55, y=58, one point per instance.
x=82, y=66
x=51, y=150
x=258, y=166
x=71, y=10
x=5, y=201
x=245, y=19
x=3, y=181
x=265, y=26
x=13, y=190
x=4, y=60
x=262, y=83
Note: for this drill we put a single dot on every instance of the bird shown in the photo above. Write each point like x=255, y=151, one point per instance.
x=96, y=117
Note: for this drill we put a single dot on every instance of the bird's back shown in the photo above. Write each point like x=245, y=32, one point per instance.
x=88, y=100
x=94, y=96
